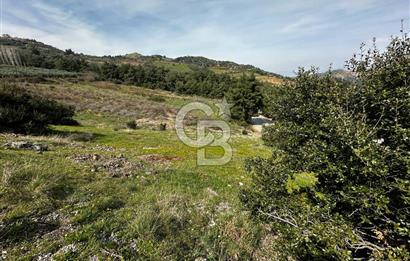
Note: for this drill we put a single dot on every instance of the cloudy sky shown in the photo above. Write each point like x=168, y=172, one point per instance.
x=275, y=35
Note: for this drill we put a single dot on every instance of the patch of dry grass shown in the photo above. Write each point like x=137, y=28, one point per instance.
x=104, y=98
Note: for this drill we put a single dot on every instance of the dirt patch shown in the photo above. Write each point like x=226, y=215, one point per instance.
x=158, y=159
x=116, y=166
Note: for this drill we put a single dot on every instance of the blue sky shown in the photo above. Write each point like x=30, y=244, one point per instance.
x=278, y=36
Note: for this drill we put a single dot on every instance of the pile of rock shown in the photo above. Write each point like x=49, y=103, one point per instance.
x=116, y=166
x=26, y=145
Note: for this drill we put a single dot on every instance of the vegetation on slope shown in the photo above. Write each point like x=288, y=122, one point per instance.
x=337, y=185
x=65, y=59
x=25, y=113
x=7, y=71
x=121, y=193
x=243, y=93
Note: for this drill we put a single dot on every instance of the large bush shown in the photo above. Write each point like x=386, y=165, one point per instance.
x=338, y=184
x=245, y=97
x=26, y=113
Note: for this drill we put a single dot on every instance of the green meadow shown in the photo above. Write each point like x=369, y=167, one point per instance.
x=59, y=204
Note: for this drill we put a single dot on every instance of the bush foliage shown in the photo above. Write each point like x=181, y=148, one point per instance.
x=243, y=92
x=26, y=113
x=245, y=97
x=68, y=61
x=201, y=82
x=337, y=186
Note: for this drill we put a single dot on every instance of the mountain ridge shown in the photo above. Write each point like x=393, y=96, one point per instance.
x=182, y=64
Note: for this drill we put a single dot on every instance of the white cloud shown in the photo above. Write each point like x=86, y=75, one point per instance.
x=306, y=24
x=276, y=35
x=63, y=30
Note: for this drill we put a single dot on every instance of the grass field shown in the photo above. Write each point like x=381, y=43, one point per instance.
x=104, y=191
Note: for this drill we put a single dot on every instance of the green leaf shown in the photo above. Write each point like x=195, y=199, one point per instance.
x=301, y=180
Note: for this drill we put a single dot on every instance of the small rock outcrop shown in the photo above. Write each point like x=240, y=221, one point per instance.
x=26, y=145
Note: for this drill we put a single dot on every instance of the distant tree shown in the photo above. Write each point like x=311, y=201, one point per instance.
x=69, y=52
x=246, y=98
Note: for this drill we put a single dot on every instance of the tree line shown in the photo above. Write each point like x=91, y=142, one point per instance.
x=244, y=92
x=68, y=61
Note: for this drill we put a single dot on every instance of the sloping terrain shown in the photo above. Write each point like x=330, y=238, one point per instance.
x=104, y=191
x=180, y=64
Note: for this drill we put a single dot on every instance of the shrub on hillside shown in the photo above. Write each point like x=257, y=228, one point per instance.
x=33, y=56
x=132, y=125
x=337, y=186
x=26, y=113
x=245, y=97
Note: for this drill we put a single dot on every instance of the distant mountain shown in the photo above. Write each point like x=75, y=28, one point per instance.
x=345, y=75
x=7, y=40
x=180, y=64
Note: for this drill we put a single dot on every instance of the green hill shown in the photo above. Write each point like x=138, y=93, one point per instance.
x=47, y=55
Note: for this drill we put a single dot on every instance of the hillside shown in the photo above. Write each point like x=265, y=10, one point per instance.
x=344, y=75
x=180, y=64
x=104, y=191
x=151, y=158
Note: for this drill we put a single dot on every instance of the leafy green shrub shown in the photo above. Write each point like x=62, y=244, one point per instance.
x=26, y=113
x=337, y=186
x=132, y=125
x=246, y=98
x=163, y=127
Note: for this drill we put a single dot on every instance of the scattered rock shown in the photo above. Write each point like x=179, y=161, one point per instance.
x=44, y=257
x=150, y=148
x=212, y=223
x=110, y=254
x=116, y=166
x=212, y=192
x=26, y=145
x=72, y=248
x=103, y=148
x=18, y=145
x=223, y=207
x=94, y=258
